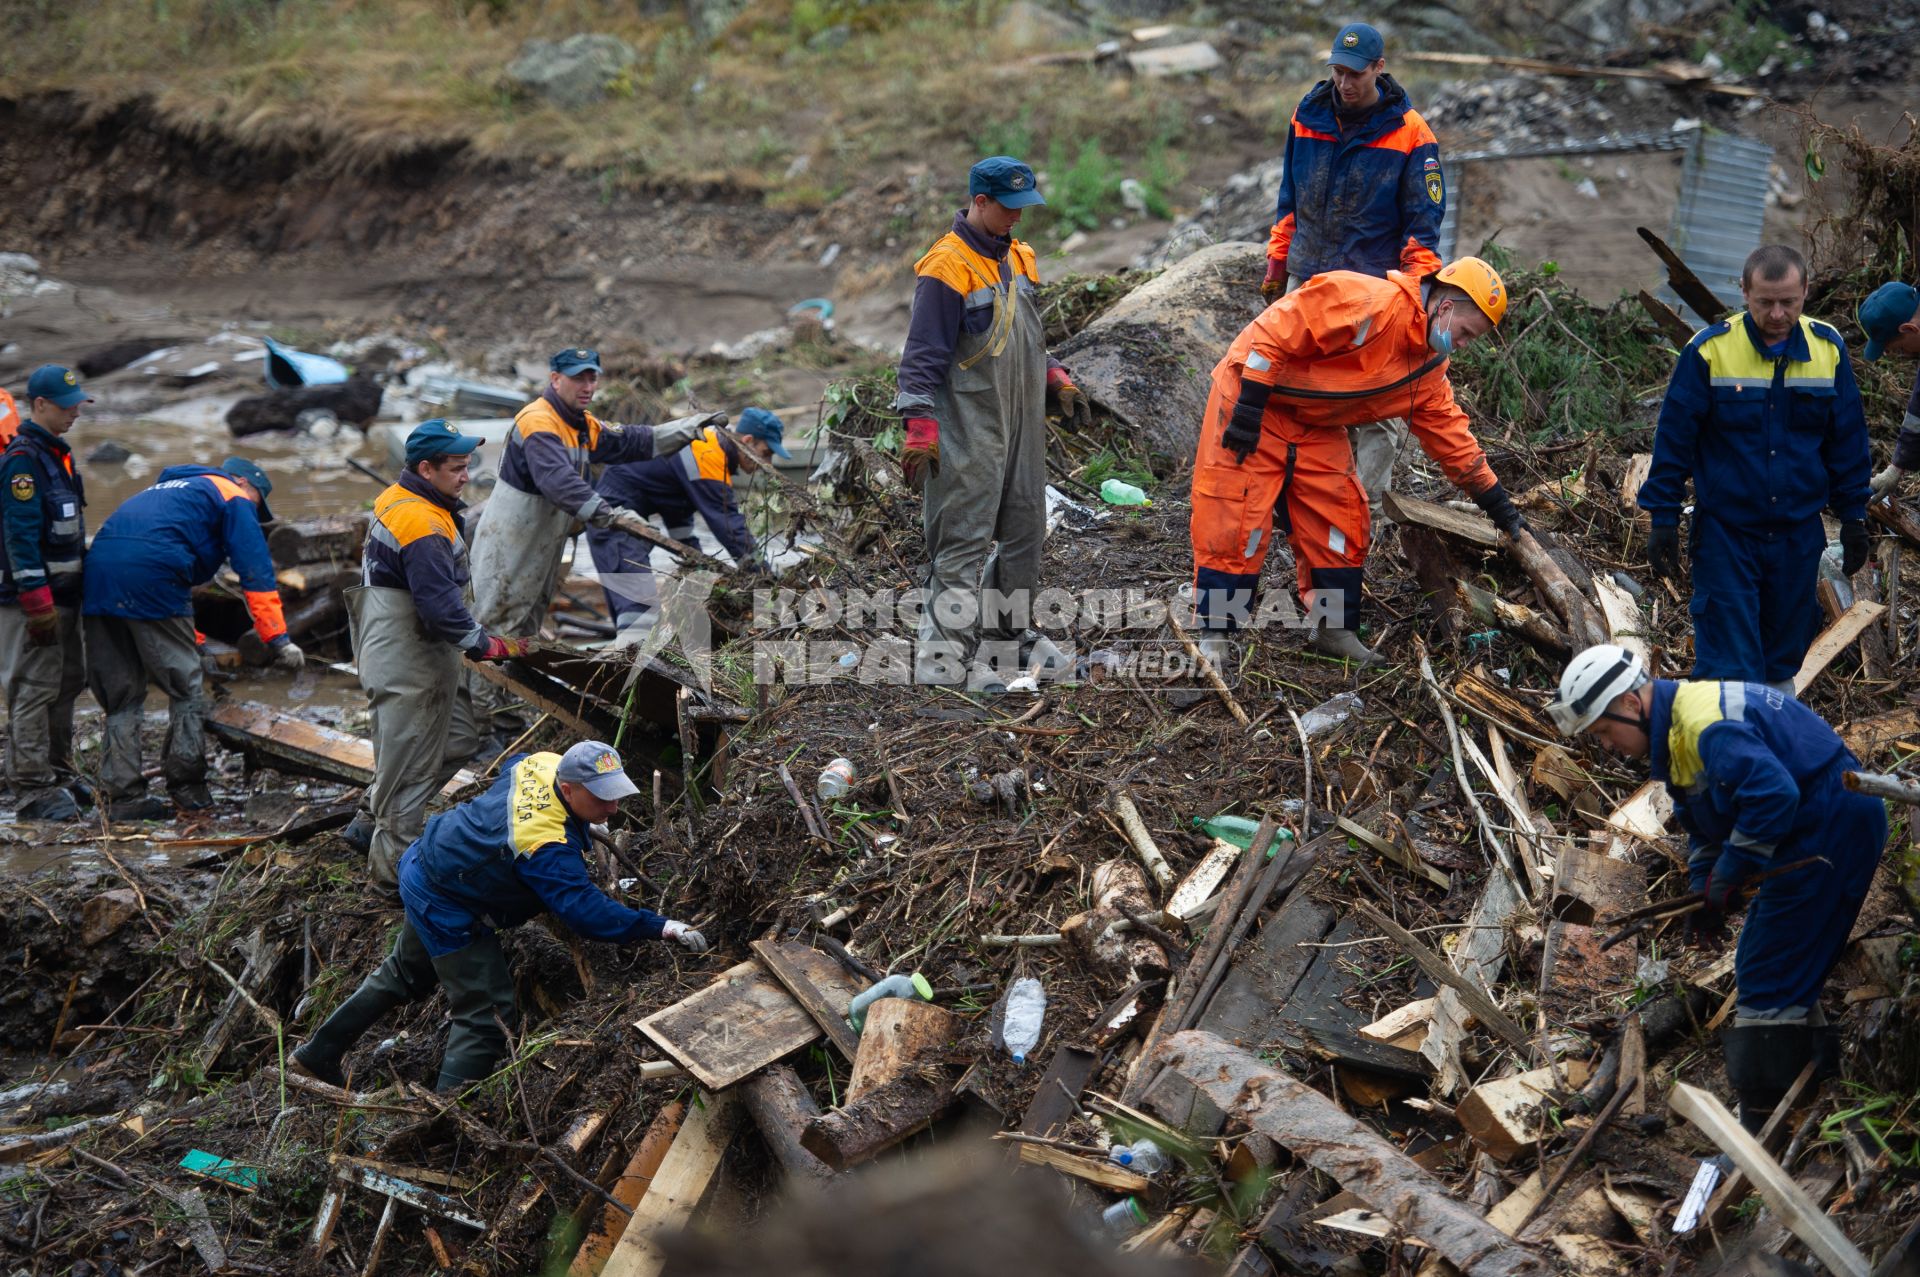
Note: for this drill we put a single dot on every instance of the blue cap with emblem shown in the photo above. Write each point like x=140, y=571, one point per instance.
x=438, y=438
x=1357, y=47
x=1883, y=312
x=241, y=468
x=62, y=385
x=575, y=360
x=1004, y=180
x=596, y=765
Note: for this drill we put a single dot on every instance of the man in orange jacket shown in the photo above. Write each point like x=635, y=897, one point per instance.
x=1343, y=348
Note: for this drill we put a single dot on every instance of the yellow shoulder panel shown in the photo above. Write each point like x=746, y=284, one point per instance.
x=536, y=817
x=1696, y=707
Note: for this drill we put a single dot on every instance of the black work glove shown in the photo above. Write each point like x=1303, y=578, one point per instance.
x=1663, y=551
x=1501, y=509
x=1706, y=928
x=1853, y=546
x=1243, y=430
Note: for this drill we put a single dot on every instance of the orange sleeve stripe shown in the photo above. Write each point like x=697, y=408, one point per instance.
x=269, y=621
x=1404, y=140
x=1312, y=135
x=227, y=488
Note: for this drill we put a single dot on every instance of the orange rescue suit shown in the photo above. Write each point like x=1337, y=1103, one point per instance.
x=1341, y=332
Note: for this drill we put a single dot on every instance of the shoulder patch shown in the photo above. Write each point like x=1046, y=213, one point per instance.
x=22, y=487
x=1435, y=191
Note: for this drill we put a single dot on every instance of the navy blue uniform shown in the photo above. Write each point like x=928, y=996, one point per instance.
x=42, y=516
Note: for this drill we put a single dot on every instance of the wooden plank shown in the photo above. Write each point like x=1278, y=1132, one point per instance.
x=1587, y=885
x=632, y=1185
x=1474, y=528
x=1782, y=1195
x=1667, y=320
x=745, y=1020
x=1475, y=997
x=1642, y=818
x=1866, y=737
x=803, y=990
x=677, y=1187
x=1401, y=856
x=1100, y=1173
x=1397, y=1028
x=1202, y=881
x=541, y=699
x=1835, y=639
x=1623, y=616
x=1691, y=78
x=1480, y=954
x=1053, y=1101
x=412, y=1174
x=293, y=744
x=1686, y=284
x=413, y=1195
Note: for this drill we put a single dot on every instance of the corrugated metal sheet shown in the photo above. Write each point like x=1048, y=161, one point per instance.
x=1450, y=220
x=1722, y=207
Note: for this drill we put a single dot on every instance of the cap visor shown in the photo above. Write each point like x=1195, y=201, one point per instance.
x=574, y=370
x=1351, y=61
x=266, y=515
x=71, y=398
x=1875, y=349
x=1020, y=199
x=611, y=787
x=465, y=445
x=779, y=449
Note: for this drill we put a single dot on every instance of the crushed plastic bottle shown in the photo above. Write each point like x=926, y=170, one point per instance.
x=836, y=778
x=1124, y=1216
x=1026, y=1008
x=1329, y=714
x=1239, y=831
x=1143, y=1157
x=1832, y=560
x=1114, y=492
x=894, y=986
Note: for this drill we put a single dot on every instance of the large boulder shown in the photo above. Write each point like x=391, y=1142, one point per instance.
x=573, y=72
x=1149, y=360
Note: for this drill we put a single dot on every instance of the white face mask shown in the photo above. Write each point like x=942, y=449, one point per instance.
x=1440, y=340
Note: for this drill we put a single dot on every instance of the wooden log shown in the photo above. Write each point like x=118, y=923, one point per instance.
x=1141, y=839
x=677, y=1187
x=1529, y=623
x=900, y=1034
x=1835, y=639
x=885, y=1116
x=1686, y=285
x=632, y=1185
x=1583, y=622
x=780, y=1106
x=1891, y=788
x=1100, y=1172
x=800, y=986
x=355, y=401
x=331, y=538
x=1436, y=572
x=1475, y=529
x=1306, y=1122
x=580, y=1132
x=1784, y=1197
x=1206, y=668
x=1510, y=1114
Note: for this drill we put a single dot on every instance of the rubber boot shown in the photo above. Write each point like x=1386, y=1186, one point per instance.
x=1762, y=1062
x=1826, y=1053
x=1041, y=657
x=358, y=833
x=190, y=796
x=321, y=1054
x=1344, y=644
x=141, y=808
x=50, y=805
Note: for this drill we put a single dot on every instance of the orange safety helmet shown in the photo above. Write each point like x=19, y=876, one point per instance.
x=1479, y=281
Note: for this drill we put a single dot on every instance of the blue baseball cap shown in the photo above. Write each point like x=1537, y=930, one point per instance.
x=761, y=424
x=62, y=385
x=241, y=468
x=1357, y=47
x=596, y=765
x=575, y=360
x=1004, y=180
x=1886, y=308
x=438, y=438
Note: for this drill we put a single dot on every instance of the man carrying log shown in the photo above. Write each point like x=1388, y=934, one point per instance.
x=496, y=861
x=1762, y=413
x=1756, y=781
x=1342, y=349
x=1890, y=317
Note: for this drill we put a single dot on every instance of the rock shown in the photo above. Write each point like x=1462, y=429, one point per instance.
x=106, y=359
x=105, y=914
x=1149, y=360
x=573, y=72
x=1026, y=26
x=1196, y=58
x=833, y=37
x=709, y=18
x=109, y=453
x=357, y=400
x=1133, y=194
x=1139, y=10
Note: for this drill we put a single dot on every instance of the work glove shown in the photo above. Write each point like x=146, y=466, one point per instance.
x=628, y=521
x=1275, y=284
x=671, y=436
x=685, y=935
x=501, y=649
x=1663, y=551
x=43, y=623
x=1243, y=431
x=1853, y=546
x=1724, y=883
x=1500, y=508
x=1074, y=411
x=287, y=654
x=1887, y=480
x=920, y=457
x=1705, y=928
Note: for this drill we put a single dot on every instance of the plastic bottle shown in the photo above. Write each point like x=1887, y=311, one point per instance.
x=1239, y=831
x=1124, y=1215
x=1114, y=492
x=1329, y=714
x=1832, y=561
x=835, y=779
x=1142, y=1156
x=1026, y=1008
x=894, y=986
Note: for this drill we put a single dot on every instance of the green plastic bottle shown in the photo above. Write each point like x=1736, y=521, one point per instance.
x=1114, y=492
x=1239, y=830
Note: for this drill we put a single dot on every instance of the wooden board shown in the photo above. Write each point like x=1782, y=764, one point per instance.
x=800, y=986
x=1476, y=528
x=1588, y=886
x=677, y=1187
x=293, y=744
x=745, y=1020
x=1866, y=737
x=1623, y=615
x=1199, y=885
x=1510, y=1114
x=1401, y=856
x=1639, y=819
x=1100, y=1173
x=1072, y=1068
x=1835, y=639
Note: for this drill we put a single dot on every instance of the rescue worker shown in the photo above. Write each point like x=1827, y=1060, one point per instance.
x=1755, y=778
x=543, y=487
x=492, y=862
x=976, y=382
x=410, y=625
x=1343, y=348
x=1762, y=413
x=138, y=603
x=696, y=480
x=1890, y=317
x=1361, y=190
x=42, y=660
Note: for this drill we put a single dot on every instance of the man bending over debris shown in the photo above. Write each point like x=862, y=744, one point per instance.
x=410, y=625
x=1763, y=415
x=1343, y=348
x=495, y=861
x=696, y=480
x=138, y=602
x=543, y=487
x=975, y=381
x=1890, y=317
x=1756, y=783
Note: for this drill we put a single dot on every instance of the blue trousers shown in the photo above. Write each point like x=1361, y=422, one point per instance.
x=1798, y=923
x=1754, y=609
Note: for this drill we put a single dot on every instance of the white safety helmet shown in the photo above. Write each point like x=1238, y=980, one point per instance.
x=1592, y=681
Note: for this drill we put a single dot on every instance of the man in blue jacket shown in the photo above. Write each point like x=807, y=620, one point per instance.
x=496, y=861
x=42, y=664
x=696, y=480
x=1361, y=191
x=1890, y=317
x=138, y=603
x=1763, y=415
x=1756, y=783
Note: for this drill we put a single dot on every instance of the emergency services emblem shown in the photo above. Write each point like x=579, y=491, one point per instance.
x=1018, y=181
x=607, y=762
x=71, y=379
x=1350, y=39
x=1434, y=190
x=22, y=487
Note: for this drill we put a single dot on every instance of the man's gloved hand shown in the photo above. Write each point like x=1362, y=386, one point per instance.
x=1705, y=928
x=287, y=654
x=920, y=456
x=621, y=518
x=43, y=623
x=685, y=935
x=1724, y=883
x=501, y=649
x=1275, y=284
x=1074, y=411
x=1884, y=483
x=1500, y=508
x=1243, y=432
x=1663, y=551
x=1853, y=546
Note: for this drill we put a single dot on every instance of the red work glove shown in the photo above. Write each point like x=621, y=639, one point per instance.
x=1275, y=284
x=502, y=649
x=1074, y=411
x=921, y=455
x=43, y=623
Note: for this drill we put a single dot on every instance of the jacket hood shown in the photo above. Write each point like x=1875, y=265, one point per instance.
x=1316, y=108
